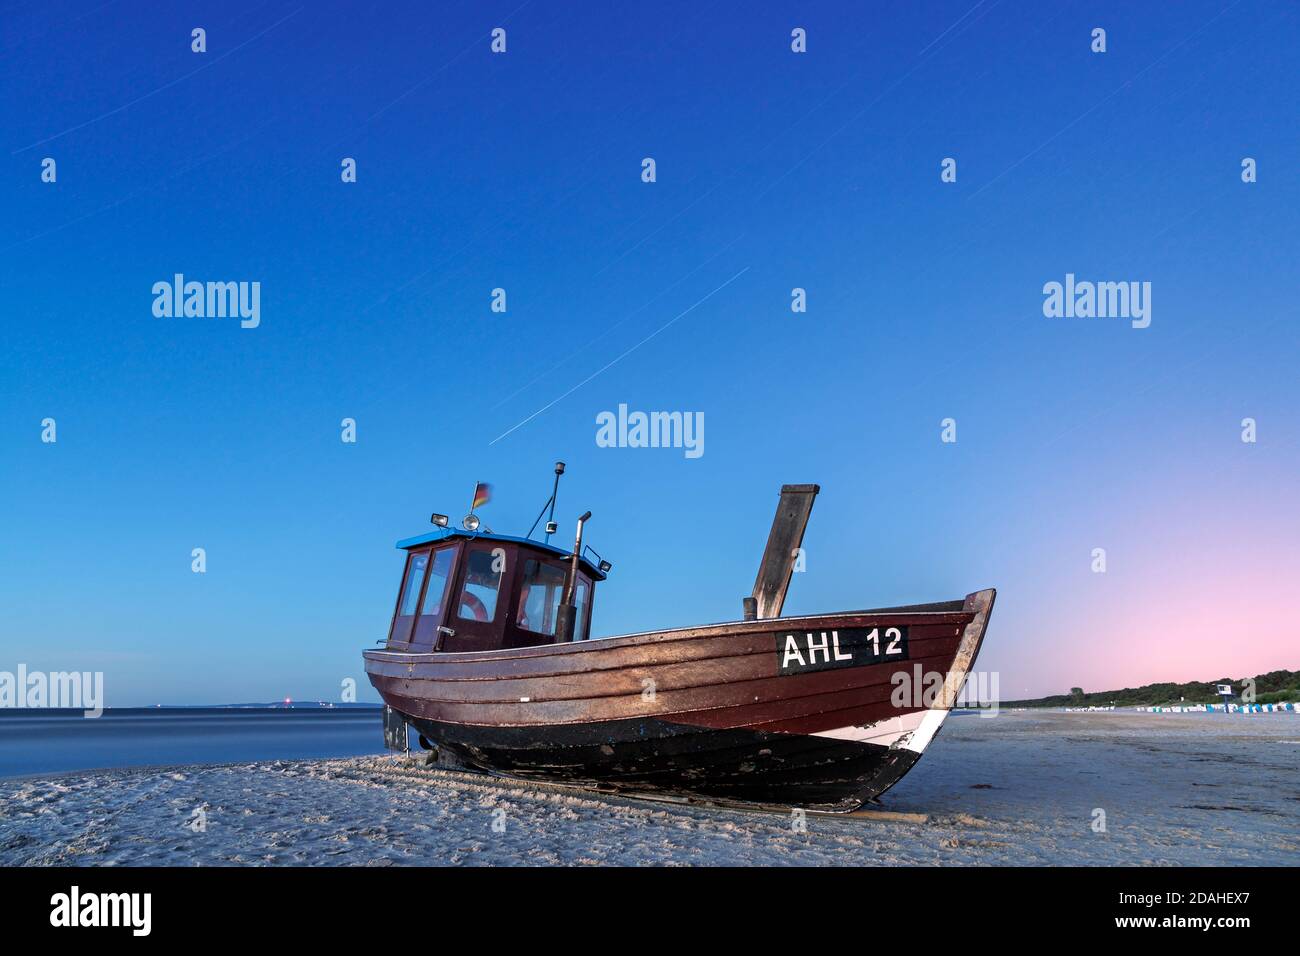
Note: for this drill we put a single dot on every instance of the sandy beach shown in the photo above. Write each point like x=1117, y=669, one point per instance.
x=1019, y=788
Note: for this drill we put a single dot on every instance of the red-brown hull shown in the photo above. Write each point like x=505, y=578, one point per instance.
x=709, y=711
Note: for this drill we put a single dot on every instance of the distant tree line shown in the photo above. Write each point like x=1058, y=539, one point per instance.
x=1271, y=688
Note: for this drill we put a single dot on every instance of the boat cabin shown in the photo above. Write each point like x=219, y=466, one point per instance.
x=477, y=591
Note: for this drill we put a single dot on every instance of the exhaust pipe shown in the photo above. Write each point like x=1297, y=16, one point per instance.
x=566, y=613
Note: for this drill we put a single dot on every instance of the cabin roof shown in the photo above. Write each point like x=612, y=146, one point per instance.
x=446, y=534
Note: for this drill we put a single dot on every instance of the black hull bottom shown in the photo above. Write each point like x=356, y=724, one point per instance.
x=655, y=757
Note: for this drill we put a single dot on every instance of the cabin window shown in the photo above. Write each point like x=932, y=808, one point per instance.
x=414, y=578
x=478, y=599
x=434, y=592
x=416, y=565
x=539, y=596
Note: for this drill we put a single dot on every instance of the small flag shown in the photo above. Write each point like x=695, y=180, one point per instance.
x=482, y=495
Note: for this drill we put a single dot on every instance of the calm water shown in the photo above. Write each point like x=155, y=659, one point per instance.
x=52, y=741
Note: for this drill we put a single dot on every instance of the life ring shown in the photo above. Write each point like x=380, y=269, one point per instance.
x=475, y=606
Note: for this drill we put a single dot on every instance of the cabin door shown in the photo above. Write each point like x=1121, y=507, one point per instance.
x=433, y=602
x=476, y=612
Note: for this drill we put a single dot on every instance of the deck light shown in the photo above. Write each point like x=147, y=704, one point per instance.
x=552, y=527
x=470, y=522
x=439, y=520
x=599, y=562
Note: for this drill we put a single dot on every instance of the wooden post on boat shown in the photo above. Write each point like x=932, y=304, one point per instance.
x=783, y=543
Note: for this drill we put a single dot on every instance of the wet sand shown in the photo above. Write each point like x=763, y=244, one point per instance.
x=1019, y=788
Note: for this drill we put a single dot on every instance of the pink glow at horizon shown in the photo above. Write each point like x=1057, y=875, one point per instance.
x=1184, y=613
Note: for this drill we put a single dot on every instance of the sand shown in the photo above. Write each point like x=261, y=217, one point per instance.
x=1019, y=788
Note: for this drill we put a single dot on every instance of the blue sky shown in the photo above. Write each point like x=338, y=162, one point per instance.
x=522, y=171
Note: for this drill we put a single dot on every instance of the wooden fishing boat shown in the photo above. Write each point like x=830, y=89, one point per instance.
x=491, y=659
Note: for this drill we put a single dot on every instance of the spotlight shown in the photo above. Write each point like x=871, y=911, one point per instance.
x=470, y=522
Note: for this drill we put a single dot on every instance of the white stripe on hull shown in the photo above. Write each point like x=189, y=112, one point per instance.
x=930, y=725
x=912, y=731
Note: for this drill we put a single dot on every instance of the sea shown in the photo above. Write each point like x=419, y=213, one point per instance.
x=56, y=741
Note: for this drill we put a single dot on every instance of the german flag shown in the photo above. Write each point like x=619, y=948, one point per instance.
x=482, y=495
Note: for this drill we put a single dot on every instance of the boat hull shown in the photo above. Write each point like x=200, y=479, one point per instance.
x=658, y=758
x=714, y=713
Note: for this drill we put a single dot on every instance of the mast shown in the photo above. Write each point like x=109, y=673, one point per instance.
x=550, y=503
x=550, y=519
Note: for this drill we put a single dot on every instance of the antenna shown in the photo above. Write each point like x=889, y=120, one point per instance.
x=550, y=503
x=550, y=519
